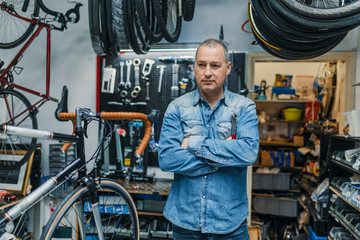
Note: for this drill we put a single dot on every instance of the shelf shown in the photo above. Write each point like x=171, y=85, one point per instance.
x=282, y=101
x=276, y=143
x=283, y=120
x=291, y=168
x=150, y=213
x=345, y=225
x=344, y=166
x=339, y=194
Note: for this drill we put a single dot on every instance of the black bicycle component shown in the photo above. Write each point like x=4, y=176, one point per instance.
x=76, y=11
x=153, y=116
x=63, y=105
x=188, y=9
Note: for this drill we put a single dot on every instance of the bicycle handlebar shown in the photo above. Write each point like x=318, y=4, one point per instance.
x=117, y=116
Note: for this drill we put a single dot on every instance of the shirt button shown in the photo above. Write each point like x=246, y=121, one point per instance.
x=205, y=176
x=203, y=197
x=208, y=125
x=209, y=108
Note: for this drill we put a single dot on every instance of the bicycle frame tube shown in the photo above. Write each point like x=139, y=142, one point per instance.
x=40, y=25
x=46, y=187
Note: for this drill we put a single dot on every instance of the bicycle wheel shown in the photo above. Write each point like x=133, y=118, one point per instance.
x=16, y=111
x=74, y=215
x=13, y=30
x=168, y=18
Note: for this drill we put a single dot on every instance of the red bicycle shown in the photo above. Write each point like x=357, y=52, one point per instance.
x=20, y=23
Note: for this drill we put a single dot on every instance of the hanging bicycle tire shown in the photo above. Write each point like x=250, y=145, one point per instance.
x=273, y=46
x=94, y=27
x=169, y=19
x=14, y=31
x=330, y=9
x=16, y=111
x=146, y=13
x=188, y=9
x=115, y=25
x=74, y=215
x=134, y=33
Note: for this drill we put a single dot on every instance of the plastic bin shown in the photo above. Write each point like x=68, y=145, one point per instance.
x=312, y=235
x=271, y=181
x=286, y=207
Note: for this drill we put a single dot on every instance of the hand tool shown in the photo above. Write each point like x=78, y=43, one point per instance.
x=175, y=81
x=122, y=83
x=162, y=70
x=137, y=87
x=147, y=67
x=128, y=71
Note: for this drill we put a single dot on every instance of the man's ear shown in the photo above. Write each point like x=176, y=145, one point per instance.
x=228, y=68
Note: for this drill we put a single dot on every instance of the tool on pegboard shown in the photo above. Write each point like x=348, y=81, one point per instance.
x=175, y=80
x=162, y=70
x=137, y=87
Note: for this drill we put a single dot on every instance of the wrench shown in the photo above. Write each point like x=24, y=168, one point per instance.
x=162, y=70
x=122, y=83
x=128, y=70
x=137, y=87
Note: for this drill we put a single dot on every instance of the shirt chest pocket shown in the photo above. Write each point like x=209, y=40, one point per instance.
x=192, y=127
x=224, y=130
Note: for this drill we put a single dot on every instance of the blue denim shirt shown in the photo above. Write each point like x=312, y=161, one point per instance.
x=208, y=193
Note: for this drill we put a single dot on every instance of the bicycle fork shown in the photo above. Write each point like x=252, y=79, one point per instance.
x=94, y=199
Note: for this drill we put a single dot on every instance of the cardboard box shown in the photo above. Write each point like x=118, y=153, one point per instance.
x=277, y=158
x=298, y=141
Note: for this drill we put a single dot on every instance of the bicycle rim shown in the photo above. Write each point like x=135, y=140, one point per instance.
x=14, y=31
x=15, y=110
x=117, y=210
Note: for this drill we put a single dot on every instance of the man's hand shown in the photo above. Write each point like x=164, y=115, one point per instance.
x=185, y=143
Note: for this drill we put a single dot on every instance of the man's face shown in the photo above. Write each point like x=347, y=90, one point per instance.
x=211, y=69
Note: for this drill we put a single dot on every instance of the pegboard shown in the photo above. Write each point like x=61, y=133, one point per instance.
x=157, y=100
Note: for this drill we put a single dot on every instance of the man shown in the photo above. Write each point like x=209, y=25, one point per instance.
x=208, y=196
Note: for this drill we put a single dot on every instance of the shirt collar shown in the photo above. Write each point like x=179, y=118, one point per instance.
x=198, y=97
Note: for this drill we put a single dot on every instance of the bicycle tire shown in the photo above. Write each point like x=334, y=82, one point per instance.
x=112, y=198
x=285, y=40
x=13, y=147
x=94, y=27
x=282, y=27
x=132, y=28
x=114, y=46
x=352, y=8
x=116, y=24
x=188, y=9
x=310, y=23
x=146, y=14
x=168, y=19
x=14, y=31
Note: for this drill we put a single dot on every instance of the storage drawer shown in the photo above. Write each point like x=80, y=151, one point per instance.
x=271, y=181
x=286, y=207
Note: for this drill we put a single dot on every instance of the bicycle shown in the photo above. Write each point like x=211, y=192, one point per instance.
x=98, y=208
x=20, y=22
